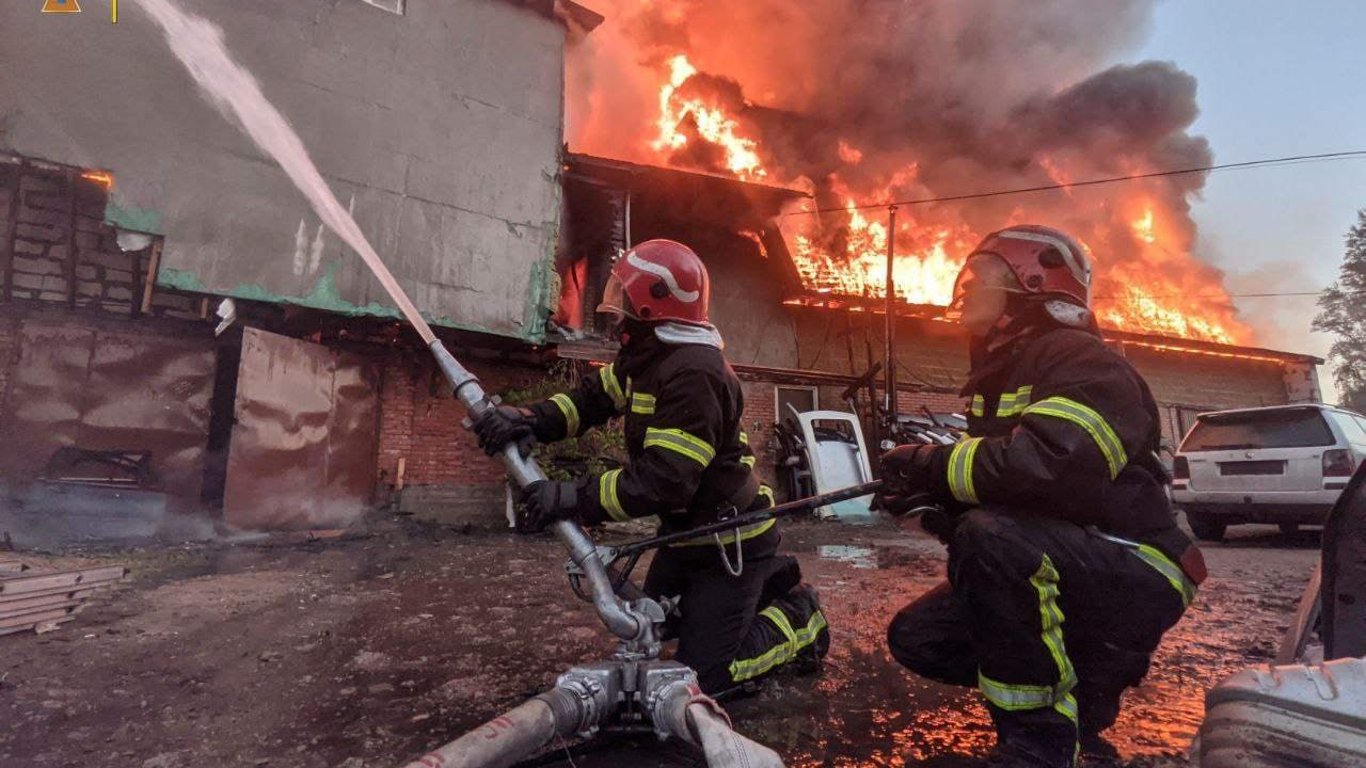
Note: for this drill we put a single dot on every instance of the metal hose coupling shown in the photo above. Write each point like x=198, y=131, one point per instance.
x=667, y=688
x=583, y=698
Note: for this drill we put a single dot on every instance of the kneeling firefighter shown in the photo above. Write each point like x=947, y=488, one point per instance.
x=690, y=463
x=1066, y=565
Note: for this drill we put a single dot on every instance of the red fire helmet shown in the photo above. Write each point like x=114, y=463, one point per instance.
x=1045, y=261
x=659, y=280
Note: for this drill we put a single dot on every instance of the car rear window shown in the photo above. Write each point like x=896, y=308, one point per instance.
x=1262, y=429
x=1351, y=427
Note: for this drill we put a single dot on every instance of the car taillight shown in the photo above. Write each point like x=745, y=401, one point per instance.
x=1181, y=469
x=1338, y=463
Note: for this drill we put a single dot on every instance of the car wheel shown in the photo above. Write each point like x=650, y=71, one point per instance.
x=1206, y=528
x=1289, y=529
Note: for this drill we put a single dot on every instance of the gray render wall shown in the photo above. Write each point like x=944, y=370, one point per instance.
x=442, y=129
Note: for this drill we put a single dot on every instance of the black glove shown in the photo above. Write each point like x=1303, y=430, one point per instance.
x=920, y=503
x=545, y=501
x=908, y=470
x=505, y=424
x=941, y=522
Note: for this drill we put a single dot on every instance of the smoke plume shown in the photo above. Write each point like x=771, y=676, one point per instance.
x=881, y=100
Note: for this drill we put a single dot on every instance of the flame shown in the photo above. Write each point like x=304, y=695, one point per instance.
x=849, y=153
x=103, y=178
x=1157, y=287
x=1137, y=310
x=1143, y=227
x=919, y=276
x=750, y=234
x=712, y=123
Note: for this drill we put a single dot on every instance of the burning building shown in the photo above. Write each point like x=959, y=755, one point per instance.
x=962, y=118
x=128, y=209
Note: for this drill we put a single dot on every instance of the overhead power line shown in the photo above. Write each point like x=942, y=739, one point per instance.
x=1222, y=295
x=1269, y=162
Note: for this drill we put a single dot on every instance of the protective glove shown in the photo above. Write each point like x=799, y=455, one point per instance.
x=904, y=505
x=545, y=501
x=506, y=424
x=941, y=522
x=908, y=470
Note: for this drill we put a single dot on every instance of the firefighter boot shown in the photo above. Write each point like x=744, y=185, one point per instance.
x=1105, y=675
x=1033, y=738
x=802, y=607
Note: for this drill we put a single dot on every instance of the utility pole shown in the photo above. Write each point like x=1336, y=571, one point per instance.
x=891, y=320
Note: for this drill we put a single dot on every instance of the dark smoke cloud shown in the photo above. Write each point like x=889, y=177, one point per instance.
x=941, y=98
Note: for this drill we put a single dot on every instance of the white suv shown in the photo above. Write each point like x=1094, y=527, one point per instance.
x=1286, y=465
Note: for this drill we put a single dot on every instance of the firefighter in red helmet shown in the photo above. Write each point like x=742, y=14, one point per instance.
x=690, y=462
x=1066, y=565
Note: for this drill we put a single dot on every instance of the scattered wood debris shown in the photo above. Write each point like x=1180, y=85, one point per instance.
x=42, y=601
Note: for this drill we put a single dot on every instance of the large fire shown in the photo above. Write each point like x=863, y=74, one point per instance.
x=1141, y=235
x=708, y=121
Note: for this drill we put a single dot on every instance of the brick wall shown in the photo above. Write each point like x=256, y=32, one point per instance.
x=421, y=422
x=57, y=249
x=760, y=416
x=9, y=354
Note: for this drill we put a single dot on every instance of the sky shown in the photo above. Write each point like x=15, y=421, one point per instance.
x=1276, y=78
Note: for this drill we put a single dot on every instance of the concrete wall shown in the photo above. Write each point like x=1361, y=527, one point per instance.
x=441, y=129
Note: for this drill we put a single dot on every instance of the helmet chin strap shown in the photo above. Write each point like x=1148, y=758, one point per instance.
x=1068, y=314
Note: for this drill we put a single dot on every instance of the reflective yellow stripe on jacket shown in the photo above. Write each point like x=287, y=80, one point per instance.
x=1014, y=403
x=612, y=387
x=978, y=407
x=960, y=470
x=607, y=495
x=680, y=442
x=1090, y=421
x=571, y=413
x=744, y=533
x=642, y=404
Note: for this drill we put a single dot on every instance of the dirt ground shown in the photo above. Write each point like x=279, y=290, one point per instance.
x=363, y=653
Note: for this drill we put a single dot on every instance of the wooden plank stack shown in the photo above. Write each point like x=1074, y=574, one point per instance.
x=11, y=565
x=42, y=601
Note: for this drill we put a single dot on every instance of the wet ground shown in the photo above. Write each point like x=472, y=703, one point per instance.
x=357, y=654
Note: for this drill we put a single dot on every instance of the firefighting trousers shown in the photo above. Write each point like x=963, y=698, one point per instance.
x=732, y=629
x=1052, y=621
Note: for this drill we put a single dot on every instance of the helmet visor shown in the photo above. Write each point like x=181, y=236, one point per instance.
x=614, y=299
x=983, y=274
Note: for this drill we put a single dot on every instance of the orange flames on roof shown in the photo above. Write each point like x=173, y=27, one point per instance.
x=1158, y=288
x=710, y=121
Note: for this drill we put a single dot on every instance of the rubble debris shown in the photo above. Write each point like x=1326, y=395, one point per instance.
x=42, y=601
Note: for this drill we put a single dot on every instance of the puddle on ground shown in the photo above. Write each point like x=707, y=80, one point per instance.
x=859, y=557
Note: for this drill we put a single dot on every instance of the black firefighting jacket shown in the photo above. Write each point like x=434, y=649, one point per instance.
x=1061, y=425
x=690, y=459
